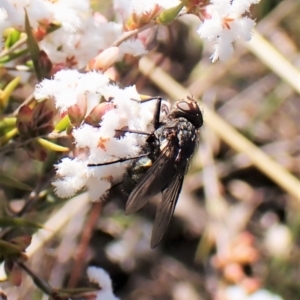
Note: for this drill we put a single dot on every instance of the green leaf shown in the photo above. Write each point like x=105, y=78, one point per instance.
x=19, y=222
x=7, y=248
x=12, y=56
x=13, y=36
x=8, y=136
x=12, y=182
x=8, y=122
x=8, y=90
x=63, y=124
x=51, y=146
x=33, y=48
x=39, y=282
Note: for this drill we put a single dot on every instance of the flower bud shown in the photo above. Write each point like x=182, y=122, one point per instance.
x=139, y=20
x=77, y=112
x=24, y=120
x=169, y=15
x=40, y=33
x=234, y=273
x=105, y=59
x=36, y=151
x=98, y=112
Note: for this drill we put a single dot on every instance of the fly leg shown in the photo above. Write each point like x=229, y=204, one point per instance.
x=156, y=116
x=133, y=131
x=118, y=160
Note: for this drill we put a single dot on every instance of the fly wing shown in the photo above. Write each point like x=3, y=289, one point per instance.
x=155, y=180
x=166, y=209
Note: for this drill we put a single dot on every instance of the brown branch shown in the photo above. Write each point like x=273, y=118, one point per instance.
x=128, y=34
x=83, y=245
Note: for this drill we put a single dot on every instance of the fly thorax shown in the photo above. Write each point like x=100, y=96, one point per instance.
x=163, y=144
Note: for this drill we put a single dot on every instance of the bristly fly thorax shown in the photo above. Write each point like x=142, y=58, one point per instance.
x=162, y=164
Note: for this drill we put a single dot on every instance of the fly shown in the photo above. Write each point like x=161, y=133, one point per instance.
x=161, y=167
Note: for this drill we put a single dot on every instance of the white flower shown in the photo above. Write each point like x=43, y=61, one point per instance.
x=97, y=145
x=76, y=49
x=81, y=36
x=278, y=232
x=71, y=14
x=140, y=7
x=67, y=86
x=133, y=47
x=37, y=10
x=226, y=25
x=99, y=276
x=127, y=7
x=3, y=24
x=73, y=172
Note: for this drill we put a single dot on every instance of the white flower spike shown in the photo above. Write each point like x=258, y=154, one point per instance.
x=227, y=24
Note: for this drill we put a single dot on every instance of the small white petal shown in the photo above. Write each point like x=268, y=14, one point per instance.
x=93, y=81
x=110, y=122
x=69, y=167
x=68, y=186
x=222, y=6
x=86, y=136
x=210, y=29
x=245, y=26
x=96, y=188
x=101, y=277
x=70, y=13
x=132, y=47
x=223, y=48
x=106, y=295
x=141, y=7
x=73, y=177
x=123, y=147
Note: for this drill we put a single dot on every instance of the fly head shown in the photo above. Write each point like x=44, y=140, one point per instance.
x=188, y=109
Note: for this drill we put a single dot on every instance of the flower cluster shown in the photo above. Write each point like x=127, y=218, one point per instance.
x=224, y=23
x=96, y=144
x=82, y=35
x=82, y=39
x=127, y=8
x=79, y=39
x=85, y=39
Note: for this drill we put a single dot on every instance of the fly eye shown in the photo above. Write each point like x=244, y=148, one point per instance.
x=184, y=106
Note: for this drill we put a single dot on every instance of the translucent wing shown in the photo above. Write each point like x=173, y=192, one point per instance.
x=155, y=180
x=166, y=209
